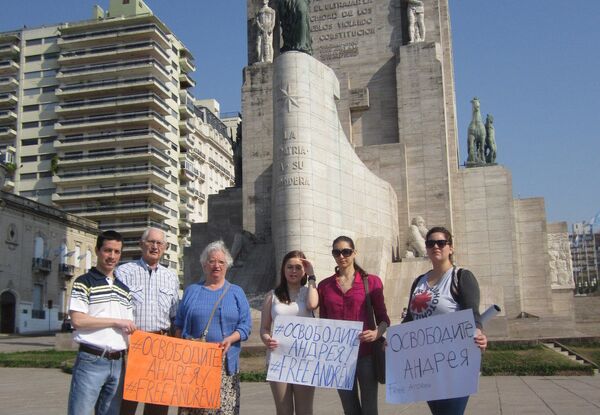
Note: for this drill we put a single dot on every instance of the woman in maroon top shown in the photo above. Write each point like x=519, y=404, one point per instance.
x=342, y=297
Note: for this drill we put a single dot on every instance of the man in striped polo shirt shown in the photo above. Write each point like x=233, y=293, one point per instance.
x=102, y=314
x=155, y=294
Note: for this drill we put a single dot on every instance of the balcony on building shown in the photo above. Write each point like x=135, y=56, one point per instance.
x=124, y=120
x=66, y=271
x=8, y=67
x=155, y=156
x=8, y=99
x=189, y=171
x=8, y=116
x=8, y=84
x=185, y=81
x=150, y=191
x=185, y=222
x=76, y=39
x=112, y=103
x=125, y=138
x=133, y=226
x=77, y=177
x=130, y=50
x=186, y=105
x=131, y=85
x=7, y=133
x=122, y=210
x=41, y=265
x=10, y=50
x=187, y=190
x=129, y=68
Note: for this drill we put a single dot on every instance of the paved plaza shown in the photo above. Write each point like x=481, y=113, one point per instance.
x=44, y=392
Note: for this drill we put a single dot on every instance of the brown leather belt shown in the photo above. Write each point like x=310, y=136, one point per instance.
x=100, y=352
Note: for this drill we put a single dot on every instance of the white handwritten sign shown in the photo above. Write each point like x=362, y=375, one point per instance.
x=318, y=352
x=432, y=358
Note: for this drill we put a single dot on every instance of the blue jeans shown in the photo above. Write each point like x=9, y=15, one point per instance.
x=454, y=406
x=366, y=382
x=96, y=385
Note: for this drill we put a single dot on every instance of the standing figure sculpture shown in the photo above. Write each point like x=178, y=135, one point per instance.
x=265, y=20
x=476, y=136
x=490, y=140
x=416, y=21
x=295, y=25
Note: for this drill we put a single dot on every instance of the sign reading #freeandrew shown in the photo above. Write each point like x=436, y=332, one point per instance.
x=314, y=351
x=432, y=358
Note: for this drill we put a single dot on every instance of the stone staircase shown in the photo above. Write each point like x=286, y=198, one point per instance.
x=567, y=352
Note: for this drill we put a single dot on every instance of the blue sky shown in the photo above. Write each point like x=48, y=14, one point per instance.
x=533, y=64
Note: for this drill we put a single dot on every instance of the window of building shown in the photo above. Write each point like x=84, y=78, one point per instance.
x=33, y=42
x=53, y=55
x=48, y=140
x=33, y=58
x=28, y=159
x=45, y=192
x=48, y=123
x=29, y=142
x=30, y=124
x=50, y=39
x=44, y=174
x=38, y=247
x=48, y=156
x=76, y=255
x=88, y=259
x=31, y=91
x=29, y=108
x=28, y=176
x=47, y=89
x=38, y=302
x=33, y=75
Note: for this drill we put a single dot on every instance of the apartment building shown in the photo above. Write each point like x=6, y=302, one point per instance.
x=97, y=118
x=585, y=252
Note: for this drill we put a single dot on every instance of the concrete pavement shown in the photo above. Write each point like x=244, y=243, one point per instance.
x=44, y=392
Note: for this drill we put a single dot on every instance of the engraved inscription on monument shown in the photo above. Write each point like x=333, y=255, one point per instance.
x=294, y=163
x=337, y=27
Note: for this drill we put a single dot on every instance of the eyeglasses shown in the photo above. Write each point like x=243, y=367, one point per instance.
x=441, y=243
x=346, y=252
x=157, y=243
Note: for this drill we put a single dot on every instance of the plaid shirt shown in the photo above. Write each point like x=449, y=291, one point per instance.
x=155, y=294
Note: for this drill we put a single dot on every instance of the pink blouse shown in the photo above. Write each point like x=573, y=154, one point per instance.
x=352, y=305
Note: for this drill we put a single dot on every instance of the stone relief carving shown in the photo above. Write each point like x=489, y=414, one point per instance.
x=416, y=238
x=561, y=265
x=416, y=21
x=265, y=20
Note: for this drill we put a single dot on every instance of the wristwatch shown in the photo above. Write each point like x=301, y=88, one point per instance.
x=312, y=278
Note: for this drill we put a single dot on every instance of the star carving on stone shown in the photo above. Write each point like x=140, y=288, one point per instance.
x=289, y=98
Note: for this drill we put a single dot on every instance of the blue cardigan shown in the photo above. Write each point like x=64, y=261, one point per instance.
x=232, y=314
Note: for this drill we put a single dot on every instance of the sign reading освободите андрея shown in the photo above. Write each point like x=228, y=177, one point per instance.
x=433, y=358
x=318, y=352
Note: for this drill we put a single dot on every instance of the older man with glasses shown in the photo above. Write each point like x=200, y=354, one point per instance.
x=155, y=293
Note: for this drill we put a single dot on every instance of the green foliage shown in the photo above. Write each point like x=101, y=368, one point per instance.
x=10, y=167
x=253, y=376
x=42, y=359
x=530, y=361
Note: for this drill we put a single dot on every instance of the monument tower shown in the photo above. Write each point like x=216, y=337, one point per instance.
x=321, y=158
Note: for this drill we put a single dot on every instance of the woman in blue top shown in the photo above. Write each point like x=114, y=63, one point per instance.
x=229, y=326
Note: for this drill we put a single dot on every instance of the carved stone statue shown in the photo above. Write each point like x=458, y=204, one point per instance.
x=265, y=20
x=490, y=140
x=476, y=136
x=416, y=238
x=416, y=21
x=295, y=25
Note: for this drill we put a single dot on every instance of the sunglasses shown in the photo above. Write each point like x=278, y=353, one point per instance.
x=441, y=243
x=346, y=252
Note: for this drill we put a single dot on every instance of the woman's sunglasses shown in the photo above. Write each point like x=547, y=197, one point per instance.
x=441, y=243
x=346, y=252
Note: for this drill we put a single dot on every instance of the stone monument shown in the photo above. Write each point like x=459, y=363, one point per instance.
x=323, y=157
x=416, y=238
x=416, y=21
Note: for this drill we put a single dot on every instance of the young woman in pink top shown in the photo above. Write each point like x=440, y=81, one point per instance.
x=342, y=297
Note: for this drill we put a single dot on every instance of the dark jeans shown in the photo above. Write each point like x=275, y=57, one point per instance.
x=366, y=382
x=129, y=408
x=454, y=406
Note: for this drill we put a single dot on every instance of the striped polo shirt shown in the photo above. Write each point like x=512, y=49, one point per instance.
x=97, y=295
